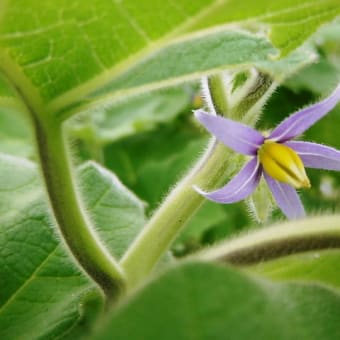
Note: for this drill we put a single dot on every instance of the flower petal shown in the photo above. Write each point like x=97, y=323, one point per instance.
x=239, y=187
x=286, y=198
x=239, y=137
x=300, y=121
x=316, y=156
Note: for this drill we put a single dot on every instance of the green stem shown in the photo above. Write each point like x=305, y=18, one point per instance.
x=290, y=237
x=218, y=93
x=179, y=206
x=74, y=225
x=183, y=201
x=247, y=108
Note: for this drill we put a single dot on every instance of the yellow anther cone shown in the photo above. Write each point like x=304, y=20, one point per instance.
x=283, y=164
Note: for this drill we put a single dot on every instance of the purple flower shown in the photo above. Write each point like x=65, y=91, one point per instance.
x=278, y=157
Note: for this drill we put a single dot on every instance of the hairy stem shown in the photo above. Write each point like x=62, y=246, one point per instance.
x=217, y=94
x=183, y=201
x=291, y=237
x=74, y=225
x=176, y=210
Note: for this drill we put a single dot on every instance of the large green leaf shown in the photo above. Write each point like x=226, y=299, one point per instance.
x=290, y=21
x=57, y=52
x=42, y=291
x=100, y=125
x=206, y=301
x=146, y=75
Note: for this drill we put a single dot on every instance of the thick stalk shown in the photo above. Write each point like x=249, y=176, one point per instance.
x=75, y=227
x=183, y=201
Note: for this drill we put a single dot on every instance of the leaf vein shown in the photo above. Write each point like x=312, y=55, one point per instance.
x=29, y=279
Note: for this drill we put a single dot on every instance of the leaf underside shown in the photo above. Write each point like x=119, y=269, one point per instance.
x=60, y=54
x=39, y=274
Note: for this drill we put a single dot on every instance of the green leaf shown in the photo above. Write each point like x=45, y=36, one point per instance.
x=43, y=294
x=125, y=118
x=15, y=134
x=145, y=76
x=289, y=22
x=6, y=91
x=330, y=38
x=316, y=266
x=290, y=29
x=59, y=54
x=116, y=212
x=319, y=78
x=212, y=302
x=172, y=64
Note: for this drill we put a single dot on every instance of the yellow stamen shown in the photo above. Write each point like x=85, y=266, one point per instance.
x=283, y=164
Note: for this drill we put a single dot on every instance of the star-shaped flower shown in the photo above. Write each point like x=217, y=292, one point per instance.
x=279, y=158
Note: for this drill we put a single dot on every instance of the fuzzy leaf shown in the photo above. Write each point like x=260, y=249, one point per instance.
x=218, y=303
x=43, y=293
x=58, y=54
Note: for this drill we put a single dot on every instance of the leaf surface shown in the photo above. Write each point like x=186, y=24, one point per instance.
x=42, y=290
x=218, y=303
x=62, y=56
x=317, y=266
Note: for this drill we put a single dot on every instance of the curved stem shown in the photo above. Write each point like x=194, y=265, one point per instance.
x=291, y=237
x=74, y=225
x=177, y=209
x=182, y=202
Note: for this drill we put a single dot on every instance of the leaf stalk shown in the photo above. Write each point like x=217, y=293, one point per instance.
x=74, y=225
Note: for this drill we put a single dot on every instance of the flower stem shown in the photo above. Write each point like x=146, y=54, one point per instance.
x=183, y=201
x=74, y=225
x=176, y=210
